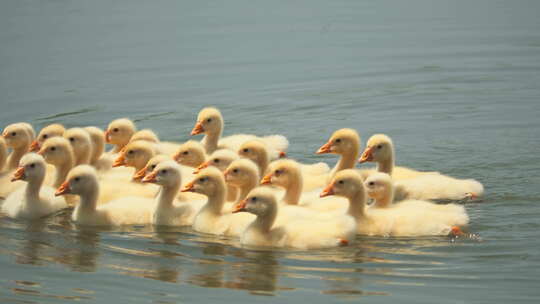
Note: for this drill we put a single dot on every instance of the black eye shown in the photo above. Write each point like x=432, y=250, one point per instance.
x=235, y=170
x=53, y=148
x=71, y=139
x=338, y=140
x=163, y=171
x=209, y=120
x=254, y=199
x=13, y=133
x=115, y=130
x=341, y=182
x=152, y=167
x=246, y=150
x=379, y=146
x=216, y=160
x=76, y=179
x=185, y=153
x=32, y=165
x=45, y=136
x=130, y=152
x=202, y=179
x=371, y=183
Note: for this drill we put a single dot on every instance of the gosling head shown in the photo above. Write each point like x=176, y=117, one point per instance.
x=56, y=151
x=80, y=180
x=80, y=141
x=166, y=174
x=241, y=172
x=208, y=182
x=31, y=167
x=281, y=173
x=190, y=154
x=18, y=135
x=261, y=201
x=49, y=131
x=220, y=159
x=346, y=183
x=209, y=121
x=378, y=148
x=145, y=134
x=378, y=185
x=119, y=131
x=341, y=142
x=150, y=166
x=256, y=151
x=135, y=154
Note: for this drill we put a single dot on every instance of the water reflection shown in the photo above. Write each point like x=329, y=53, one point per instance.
x=209, y=272
x=165, y=269
x=257, y=272
x=181, y=256
x=85, y=251
x=34, y=244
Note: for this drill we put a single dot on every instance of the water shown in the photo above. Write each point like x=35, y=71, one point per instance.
x=455, y=83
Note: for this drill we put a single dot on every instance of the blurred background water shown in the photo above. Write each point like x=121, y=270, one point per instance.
x=455, y=83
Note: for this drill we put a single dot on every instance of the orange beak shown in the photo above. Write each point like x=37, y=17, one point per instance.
x=63, y=189
x=201, y=166
x=241, y=206
x=190, y=187
x=34, y=146
x=41, y=152
x=5, y=134
x=225, y=174
x=18, y=175
x=150, y=178
x=329, y=190
x=139, y=175
x=120, y=161
x=198, y=129
x=326, y=148
x=282, y=154
x=108, y=136
x=367, y=155
x=267, y=179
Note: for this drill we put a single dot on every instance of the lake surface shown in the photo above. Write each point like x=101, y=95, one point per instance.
x=455, y=83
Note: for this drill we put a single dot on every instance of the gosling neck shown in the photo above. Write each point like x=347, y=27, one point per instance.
x=385, y=199
x=167, y=194
x=262, y=162
x=88, y=201
x=357, y=205
x=264, y=222
x=62, y=169
x=97, y=151
x=3, y=156
x=246, y=188
x=84, y=156
x=294, y=189
x=232, y=193
x=122, y=143
x=16, y=155
x=216, y=200
x=32, y=188
x=211, y=138
x=386, y=165
x=347, y=160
